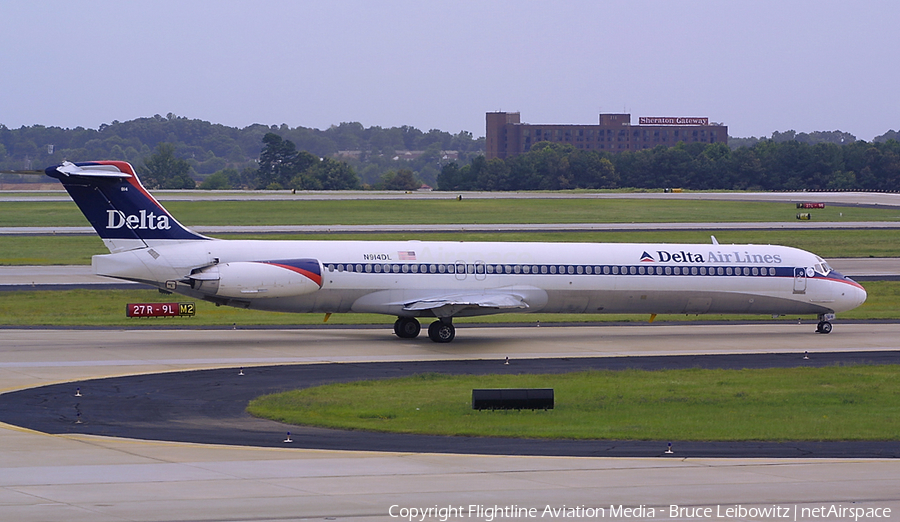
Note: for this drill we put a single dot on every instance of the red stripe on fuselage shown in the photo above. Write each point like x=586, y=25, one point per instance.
x=312, y=276
x=847, y=281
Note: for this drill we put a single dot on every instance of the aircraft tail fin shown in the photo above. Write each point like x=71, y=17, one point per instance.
x=120, y=209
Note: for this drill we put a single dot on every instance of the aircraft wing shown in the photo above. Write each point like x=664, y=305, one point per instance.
x=447, y=306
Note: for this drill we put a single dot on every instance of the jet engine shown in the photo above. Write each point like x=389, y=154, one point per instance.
x=259, y=279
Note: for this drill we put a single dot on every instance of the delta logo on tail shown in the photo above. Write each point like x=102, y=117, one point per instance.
x=141, y=221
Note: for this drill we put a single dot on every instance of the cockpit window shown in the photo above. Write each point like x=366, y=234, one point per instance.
x=822, y=266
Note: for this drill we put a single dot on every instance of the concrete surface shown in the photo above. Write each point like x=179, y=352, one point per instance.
x=86, y=478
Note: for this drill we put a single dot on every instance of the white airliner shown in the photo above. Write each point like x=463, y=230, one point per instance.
x=443, y=279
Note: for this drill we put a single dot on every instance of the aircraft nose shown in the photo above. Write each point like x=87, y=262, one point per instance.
x=852, y=294
x=859, y=295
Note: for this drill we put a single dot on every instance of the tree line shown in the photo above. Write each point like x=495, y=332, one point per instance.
x=210, y=148
x=177, y=152
x=767, y=165
x=281, y=166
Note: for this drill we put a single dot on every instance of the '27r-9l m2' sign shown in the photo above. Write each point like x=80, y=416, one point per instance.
x=160, y=309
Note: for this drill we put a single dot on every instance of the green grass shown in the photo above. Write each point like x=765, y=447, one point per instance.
x=835, y=403
x=49, y=250
x=107, y=308
x=56, y=250
x=77, y=250
x=449, y=211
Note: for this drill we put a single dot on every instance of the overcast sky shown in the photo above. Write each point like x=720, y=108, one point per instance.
x=757, y=66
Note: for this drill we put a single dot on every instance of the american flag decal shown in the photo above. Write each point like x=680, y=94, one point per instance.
x=409, y=255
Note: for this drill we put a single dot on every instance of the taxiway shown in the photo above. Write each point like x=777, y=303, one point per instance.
x=78, y=477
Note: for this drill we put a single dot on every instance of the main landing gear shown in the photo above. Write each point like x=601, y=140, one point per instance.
x=440, y=331
x=407, y=327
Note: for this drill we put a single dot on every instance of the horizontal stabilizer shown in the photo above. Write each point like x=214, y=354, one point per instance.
x=97, y=171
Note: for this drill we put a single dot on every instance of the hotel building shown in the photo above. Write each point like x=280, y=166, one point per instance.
x=506, y=136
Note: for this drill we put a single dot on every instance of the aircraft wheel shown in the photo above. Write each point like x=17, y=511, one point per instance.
x=440, y=332
x=407, y=327
x=824, y=327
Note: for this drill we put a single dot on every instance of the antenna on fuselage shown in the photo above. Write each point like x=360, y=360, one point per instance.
x=714, y=240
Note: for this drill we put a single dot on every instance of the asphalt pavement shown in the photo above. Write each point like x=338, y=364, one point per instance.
x=207, y=406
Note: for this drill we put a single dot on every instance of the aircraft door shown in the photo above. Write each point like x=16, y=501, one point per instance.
x=461, y=270
x=480, y=272
x=799, y=280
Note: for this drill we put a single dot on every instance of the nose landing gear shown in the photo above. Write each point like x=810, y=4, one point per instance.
x=824, y=326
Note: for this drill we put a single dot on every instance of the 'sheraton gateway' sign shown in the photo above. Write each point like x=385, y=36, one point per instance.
x=649, y=120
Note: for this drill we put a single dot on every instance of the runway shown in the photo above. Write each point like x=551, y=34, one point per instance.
x=463, y=228
x=81, y=477
x=868, y=199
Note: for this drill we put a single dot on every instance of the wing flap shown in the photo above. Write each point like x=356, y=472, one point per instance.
x=446, y=306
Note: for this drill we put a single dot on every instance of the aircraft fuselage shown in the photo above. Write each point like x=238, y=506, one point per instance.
x=385, y=277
